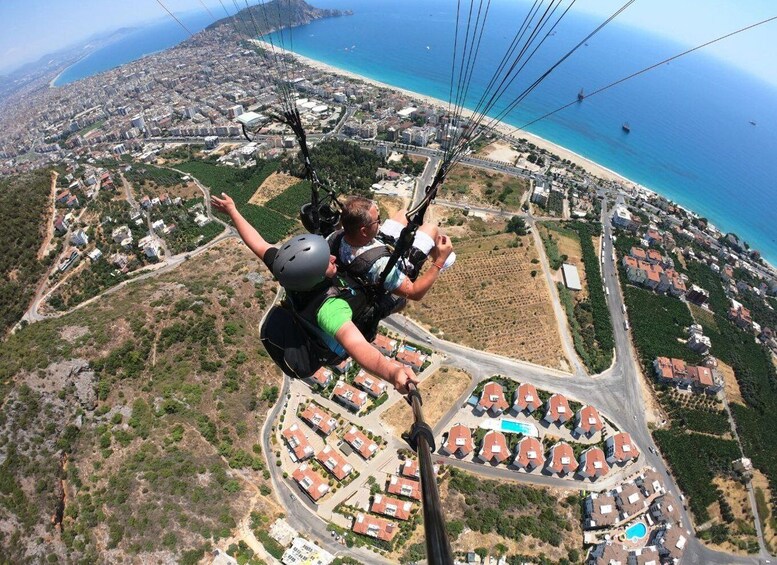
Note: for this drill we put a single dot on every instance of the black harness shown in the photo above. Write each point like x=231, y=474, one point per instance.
x=291, y=334
x=359, y=268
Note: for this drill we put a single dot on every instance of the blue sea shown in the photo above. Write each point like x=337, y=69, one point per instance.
x=691, y=138
x=151, y=38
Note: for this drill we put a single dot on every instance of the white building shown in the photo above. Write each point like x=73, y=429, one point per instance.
x=79, y=238
x=304, y=552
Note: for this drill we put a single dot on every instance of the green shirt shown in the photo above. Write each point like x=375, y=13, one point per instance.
x=332, y=315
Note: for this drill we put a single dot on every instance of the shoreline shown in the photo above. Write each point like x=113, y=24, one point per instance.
x=501, y=127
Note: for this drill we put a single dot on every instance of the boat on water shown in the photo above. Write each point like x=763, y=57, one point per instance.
x=752, y=122
x=626, y=127
x=580, y=95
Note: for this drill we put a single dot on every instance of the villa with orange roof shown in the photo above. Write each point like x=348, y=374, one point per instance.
x=410, y=469
x=360, y=442
x=297, y=442
x=459, y=442
x=587, y=421
x=391, y=507
x=404, y=487
x=334, y=462
x=526, y=399
x=385, y=345
x=558, y=411
x=374, y=527
x=310, y=482
x=494, y=449
x=619, y=449
x=528, y=454
x=350, y=397
x=318, y=419
x=369, y=384
x=413, y=359
x=593, y=464
x=677, y=372
x=322, y=377
x=561, y=459
x=492, y=399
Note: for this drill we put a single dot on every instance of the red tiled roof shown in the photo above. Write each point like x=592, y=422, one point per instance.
x=372, y=385
x=350, y=395
x=318, y=418
x=310, y=481
x=494, y=447
x=620, y=448
x=360, y=442
x=493, y=397
x=589, y=421
x=298, y=443
x=558, y=409
x=412, y=358
x=638, y=253
x=561, y=458
x=392, y=507
x=404, y=487
x=700, y=375
x=410, y=469
x=334, y=462
x=593, y=463
x=385, y=343
x=526, y=397
x=529, y=453
x=459, y=440
x=374, y=527
x=322, y=376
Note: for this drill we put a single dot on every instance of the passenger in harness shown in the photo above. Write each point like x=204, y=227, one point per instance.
x=325, y=317
x=363, y=248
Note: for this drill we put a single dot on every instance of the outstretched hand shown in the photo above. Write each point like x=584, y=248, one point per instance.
x=224, y=204
x=401, y=377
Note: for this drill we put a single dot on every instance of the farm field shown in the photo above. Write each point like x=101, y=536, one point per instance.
x=439, y=392
x=495, y=299
x=476, y=186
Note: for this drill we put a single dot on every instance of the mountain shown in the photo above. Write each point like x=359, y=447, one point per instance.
x=278, y=14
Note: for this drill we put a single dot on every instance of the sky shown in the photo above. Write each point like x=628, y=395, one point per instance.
x=30, y=29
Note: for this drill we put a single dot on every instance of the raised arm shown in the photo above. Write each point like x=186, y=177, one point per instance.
x=372, y=360
x=416, y=290
x=248, y=233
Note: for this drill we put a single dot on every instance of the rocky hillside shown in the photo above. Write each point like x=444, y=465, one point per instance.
x=277, y=14
x=130, y=430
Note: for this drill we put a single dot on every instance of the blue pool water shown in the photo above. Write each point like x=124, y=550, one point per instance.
x=516, y=427
x=637, y=531
x=509, y=426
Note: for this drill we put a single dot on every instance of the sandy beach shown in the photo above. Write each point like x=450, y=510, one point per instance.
x=505, y=129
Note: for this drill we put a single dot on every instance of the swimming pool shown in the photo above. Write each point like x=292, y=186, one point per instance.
x=510, y=426
x=636, y=531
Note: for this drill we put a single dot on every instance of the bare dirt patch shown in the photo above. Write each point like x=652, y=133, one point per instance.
x=733, y=394
x=72, y=333
x=470, y=185
x=768, y=521
x=272, y=186
x=439, y=392
x=570, y=246
x=490, y=301
x=742, y=529
x=500, y=151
